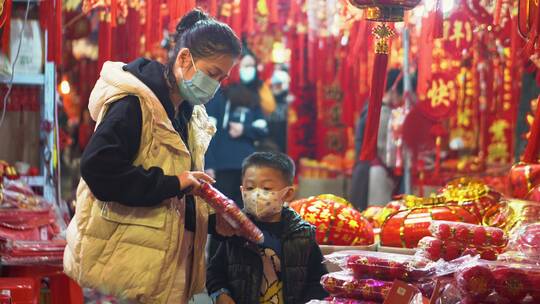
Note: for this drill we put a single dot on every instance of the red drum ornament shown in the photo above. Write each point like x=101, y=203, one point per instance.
x=407, y=227
x=512, y=214
x=523, y=178
x=336, y=224
x=473, y=195
x=385, y=10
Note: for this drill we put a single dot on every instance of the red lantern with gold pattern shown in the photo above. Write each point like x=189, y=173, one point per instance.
x=336, y=224
x=407, y=227
x=472, y=194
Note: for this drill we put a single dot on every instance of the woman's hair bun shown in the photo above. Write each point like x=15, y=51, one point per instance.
x=190, y=19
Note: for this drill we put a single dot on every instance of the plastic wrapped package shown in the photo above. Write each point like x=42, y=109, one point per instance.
x=383, y=266
x=344, y=284
x=226, y=208
x=32, y=252
x=508, y=282
x=338, y=300
x=30, y=225
x=15, y=194
x=476, y=235
x=526, y=242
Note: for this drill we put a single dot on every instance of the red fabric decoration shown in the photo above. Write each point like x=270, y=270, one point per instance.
x=5, y=24
x=531, y=151
x=104, y=43
x=369, y=144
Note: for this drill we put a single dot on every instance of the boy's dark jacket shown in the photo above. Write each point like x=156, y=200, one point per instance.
x=237, y=265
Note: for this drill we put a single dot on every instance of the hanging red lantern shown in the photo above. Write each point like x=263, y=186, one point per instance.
x=385, y=10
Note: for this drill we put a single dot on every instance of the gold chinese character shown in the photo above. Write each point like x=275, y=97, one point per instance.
x=497, y=129
x=497, y=152
x=457, y=34
x=463, y=117
x=440, y=93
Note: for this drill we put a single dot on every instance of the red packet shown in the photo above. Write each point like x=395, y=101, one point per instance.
x=401, y=293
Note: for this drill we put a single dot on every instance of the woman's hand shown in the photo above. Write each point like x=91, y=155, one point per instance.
x=211, y=173
x=190, y=181
x=225, y=299
x=236, y=129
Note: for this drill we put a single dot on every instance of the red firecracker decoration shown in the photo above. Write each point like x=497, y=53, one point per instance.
x=336, y=224
x=342, y=284
x=231, y=213
x=388, y=267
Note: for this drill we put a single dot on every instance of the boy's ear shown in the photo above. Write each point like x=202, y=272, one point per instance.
x=290, y=194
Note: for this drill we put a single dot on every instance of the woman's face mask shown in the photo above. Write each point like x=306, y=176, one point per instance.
x=200, y=89
x=263, y=204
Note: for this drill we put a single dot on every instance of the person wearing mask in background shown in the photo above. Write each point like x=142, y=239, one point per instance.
x=277, y=121
x=138, y=232
x=237, y=113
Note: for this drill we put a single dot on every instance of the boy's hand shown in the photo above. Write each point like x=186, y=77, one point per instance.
x=223, y=227
x=225, y=299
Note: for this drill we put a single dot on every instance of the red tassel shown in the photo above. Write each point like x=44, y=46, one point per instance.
x=498, y=11
x=531, y=151
x=274, y=15
x=437, y=155
x=213, y=8
x=114, y=12
x=378, y=79
x=250, y=16
x=6, y=25
x=438, y=22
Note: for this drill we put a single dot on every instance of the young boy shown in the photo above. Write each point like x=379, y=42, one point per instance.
x=288, y=267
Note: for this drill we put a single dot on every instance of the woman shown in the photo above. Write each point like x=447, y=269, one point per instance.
x=138, y=233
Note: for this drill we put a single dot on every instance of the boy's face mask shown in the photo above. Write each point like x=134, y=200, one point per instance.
x=263, y=204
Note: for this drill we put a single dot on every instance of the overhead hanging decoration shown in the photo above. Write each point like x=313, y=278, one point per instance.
x=382, y=11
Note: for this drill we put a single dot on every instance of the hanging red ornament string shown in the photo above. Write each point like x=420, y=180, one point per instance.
x=378, y=79
x=5, y=24
x=382, y=11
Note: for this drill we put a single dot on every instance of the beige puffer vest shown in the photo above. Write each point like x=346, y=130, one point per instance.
x=130, y=252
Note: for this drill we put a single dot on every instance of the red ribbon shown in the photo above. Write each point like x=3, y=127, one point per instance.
x=378, y=79
x=438, y=21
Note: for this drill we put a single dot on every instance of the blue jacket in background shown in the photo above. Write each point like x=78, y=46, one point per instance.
x=225, y=152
